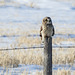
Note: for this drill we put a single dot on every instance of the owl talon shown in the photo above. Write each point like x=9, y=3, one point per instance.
x=46, y=37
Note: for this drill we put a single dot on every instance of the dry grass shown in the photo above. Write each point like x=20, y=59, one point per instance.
x=63, y=56
x=63, y=72
x=58, y=40
x=16, y=29
x=2, y=3
x=13, y=58
x=24, y=41
x=12, y=32
x=7, y=60
x=32, y=41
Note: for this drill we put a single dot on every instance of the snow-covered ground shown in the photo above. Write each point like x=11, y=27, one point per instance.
x=21, y=69
x=18, y=16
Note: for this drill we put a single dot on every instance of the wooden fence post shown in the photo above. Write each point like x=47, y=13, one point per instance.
x=48, y=56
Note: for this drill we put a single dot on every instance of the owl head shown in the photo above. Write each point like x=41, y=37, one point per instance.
x=47, y=21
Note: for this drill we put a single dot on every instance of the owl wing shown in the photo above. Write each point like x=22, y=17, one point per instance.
x=40, y=32
x=53, y=31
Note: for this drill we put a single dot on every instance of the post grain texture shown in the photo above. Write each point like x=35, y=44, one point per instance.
x=48, y=56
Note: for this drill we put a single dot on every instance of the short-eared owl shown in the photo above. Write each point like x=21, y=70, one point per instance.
x=47, y=28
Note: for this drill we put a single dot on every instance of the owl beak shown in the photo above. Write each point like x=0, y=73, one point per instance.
x=49, y=22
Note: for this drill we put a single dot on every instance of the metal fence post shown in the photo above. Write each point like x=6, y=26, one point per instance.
x=48, y=56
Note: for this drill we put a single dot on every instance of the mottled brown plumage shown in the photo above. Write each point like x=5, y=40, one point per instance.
x=47, y=28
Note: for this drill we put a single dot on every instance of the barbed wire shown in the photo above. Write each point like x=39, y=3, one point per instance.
x=5, y=49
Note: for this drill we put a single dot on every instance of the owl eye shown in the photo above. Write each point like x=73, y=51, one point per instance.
x=49, y=20
x=46, y=20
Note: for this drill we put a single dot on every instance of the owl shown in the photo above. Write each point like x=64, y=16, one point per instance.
x=47, y=28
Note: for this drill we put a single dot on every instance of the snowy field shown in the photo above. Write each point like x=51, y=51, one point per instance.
x=20, y=22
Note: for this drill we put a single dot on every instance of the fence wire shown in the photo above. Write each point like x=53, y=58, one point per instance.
x=5, y=49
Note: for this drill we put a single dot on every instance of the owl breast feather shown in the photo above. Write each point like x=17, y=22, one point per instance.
x=48, y=31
